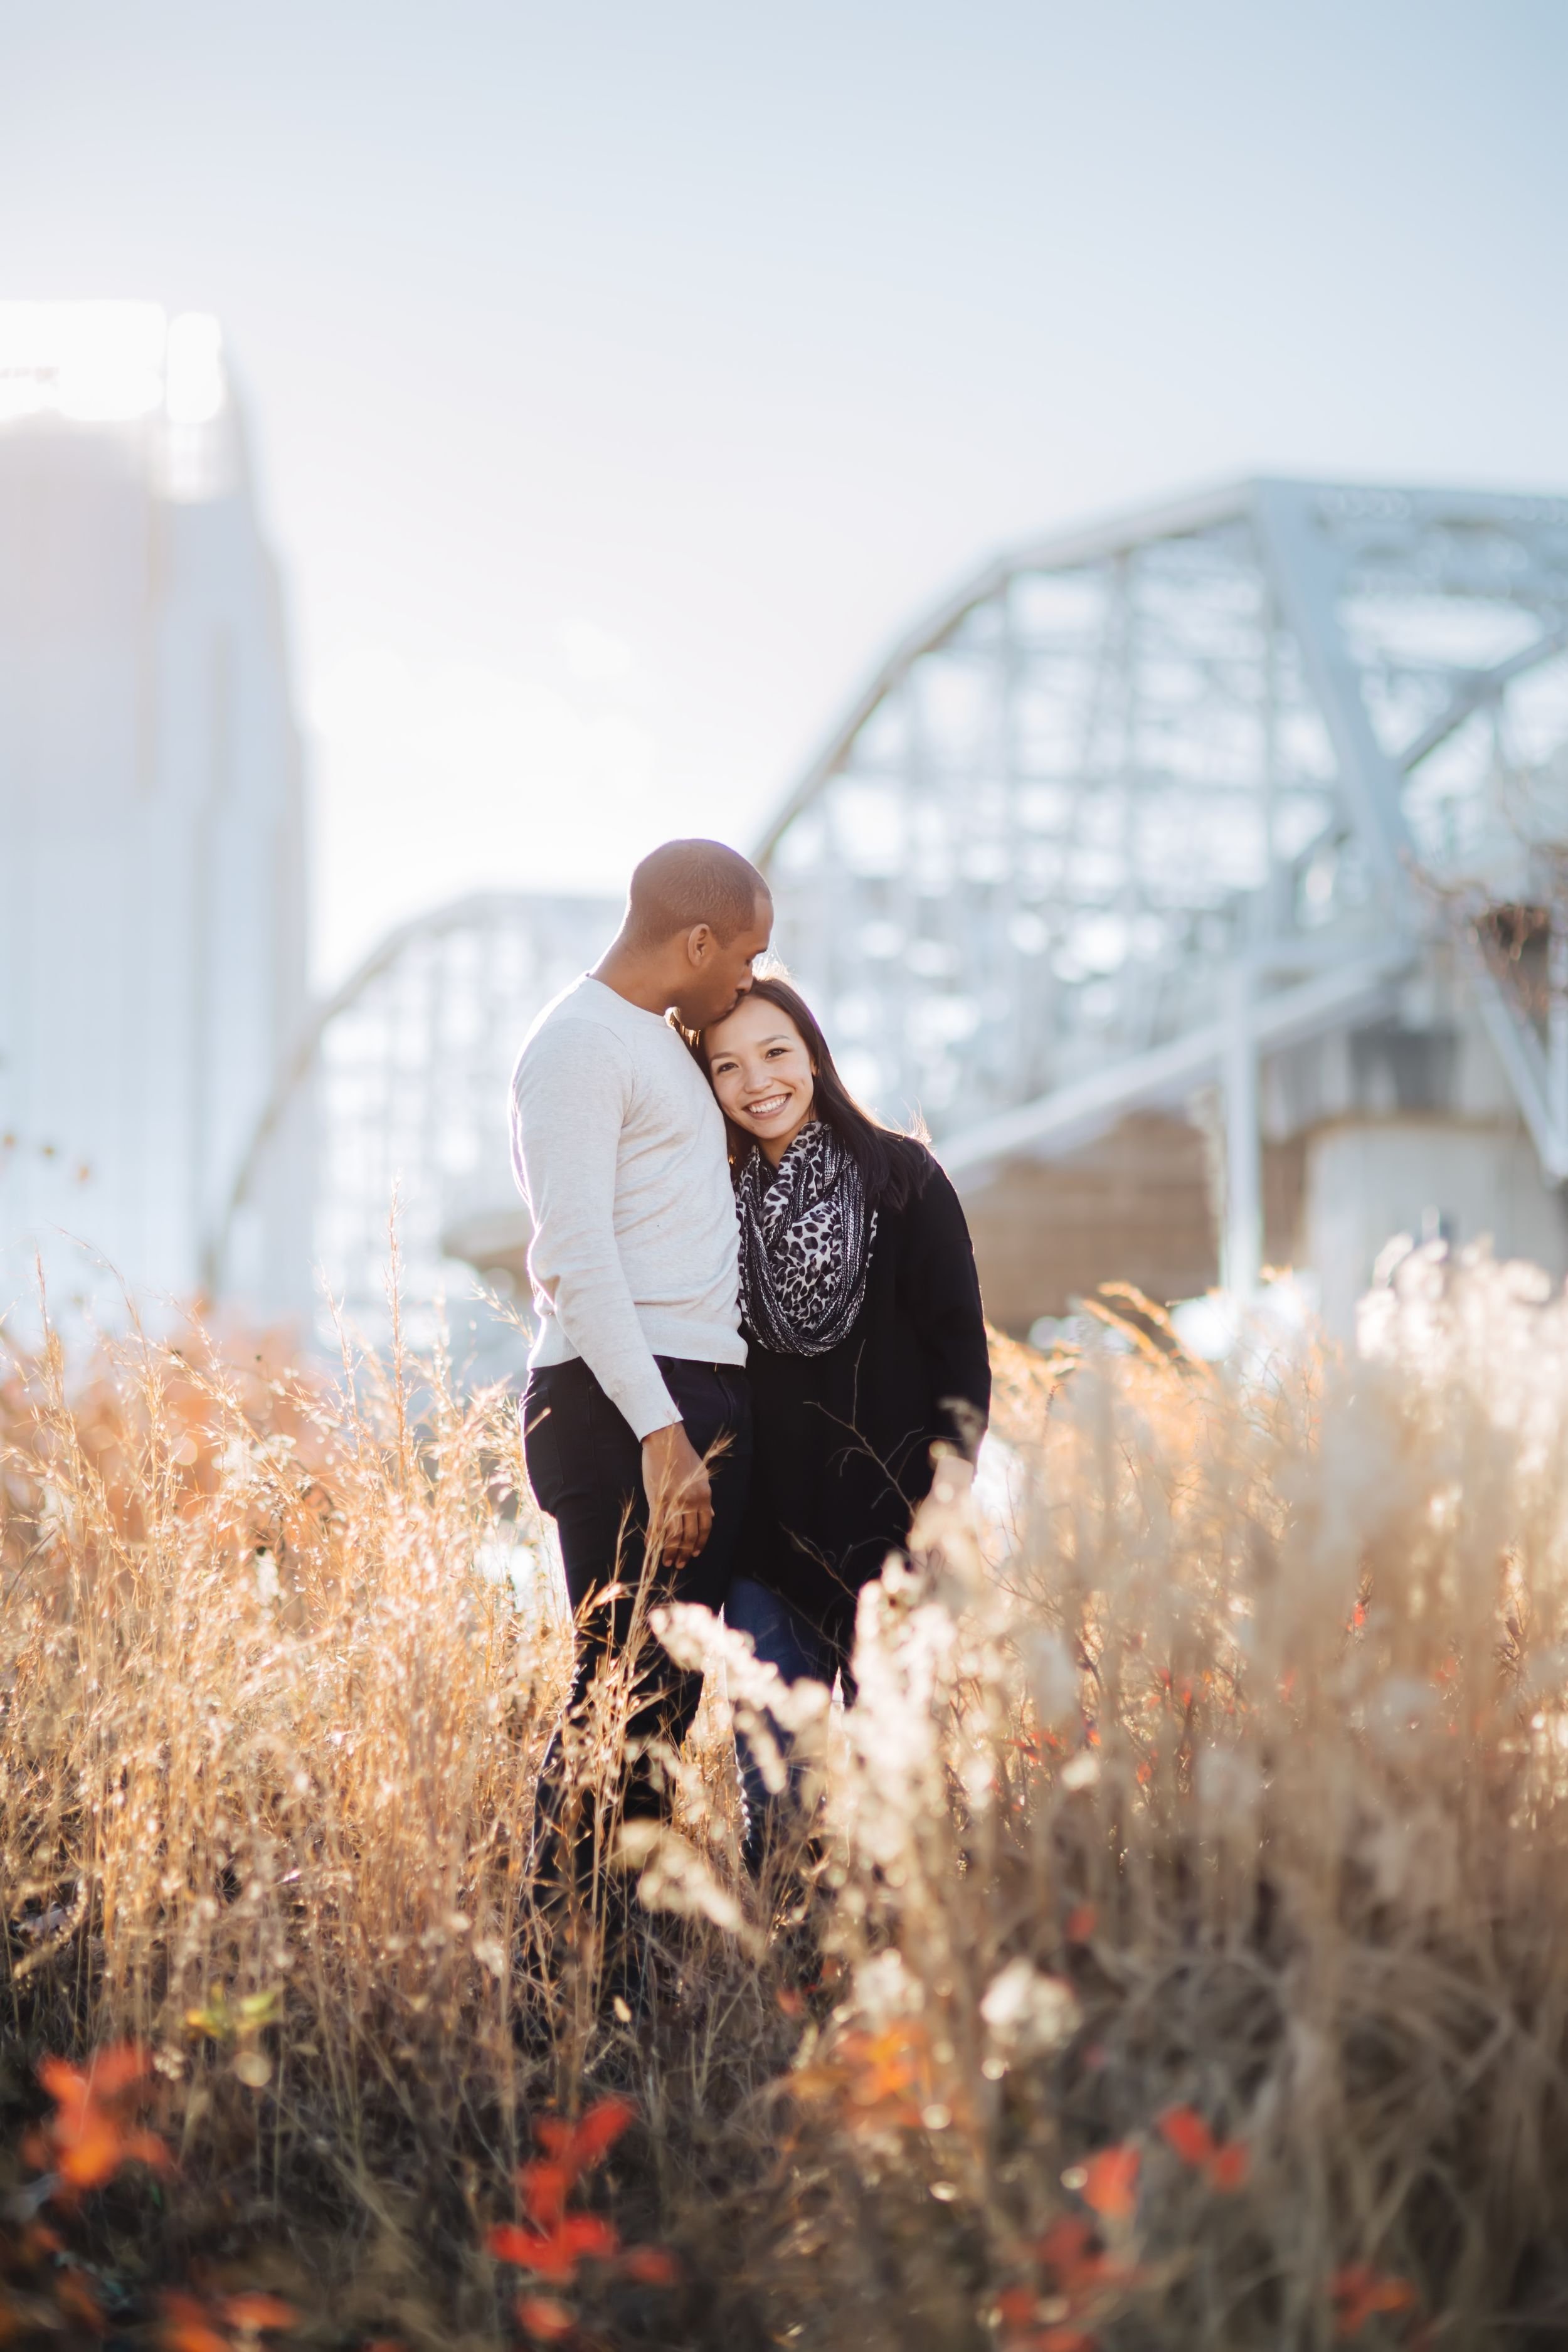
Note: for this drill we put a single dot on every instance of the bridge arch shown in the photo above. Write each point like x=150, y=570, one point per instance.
x=1161, y=862
x=1148, y=808
x=404, y=1068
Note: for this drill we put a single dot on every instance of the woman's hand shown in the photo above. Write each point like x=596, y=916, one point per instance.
x=680, y=1497
x=953, y=1477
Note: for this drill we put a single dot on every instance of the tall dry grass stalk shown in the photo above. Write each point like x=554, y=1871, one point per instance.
x=1177, y=1957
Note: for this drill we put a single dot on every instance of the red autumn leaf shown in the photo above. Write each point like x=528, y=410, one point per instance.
x=257, y=2312
x=186, y=2327
x=1064, y=2339
x=65, y=2084
x=652, y=2265
x=1362, y=2293
x=85, y=2140
x=109, y=2073
x=589, y=2237
x=1066, y=2247
x=543, y=2188
x=1225, y=2166
x=1185, y=2129
x=1078, y=2264
x=1080, y=1924
x=1110, y=2186
x=112, y=2071
x=192, y=2336
x=87, y=2148
x=541, y=2316
x=577, y=2237
x=599, y=2130
x=1015, y=2306
x=573, y=2147
x=547, y=2257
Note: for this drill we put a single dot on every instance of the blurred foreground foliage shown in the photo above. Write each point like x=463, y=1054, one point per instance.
x=1175, y=1956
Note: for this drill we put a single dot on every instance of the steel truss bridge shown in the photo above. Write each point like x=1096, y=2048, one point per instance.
x=1137, y=811
x=406, y=1067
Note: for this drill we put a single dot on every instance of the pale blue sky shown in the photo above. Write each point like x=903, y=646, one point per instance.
x=623, y=377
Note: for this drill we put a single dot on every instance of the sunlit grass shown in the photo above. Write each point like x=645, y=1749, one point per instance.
x=1177, y=1958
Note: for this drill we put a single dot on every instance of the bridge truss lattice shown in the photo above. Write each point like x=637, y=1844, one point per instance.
x=1137, y=806
x=408, y=1065
x=1145, y=800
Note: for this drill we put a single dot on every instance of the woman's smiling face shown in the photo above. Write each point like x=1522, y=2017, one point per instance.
x=760, y=1071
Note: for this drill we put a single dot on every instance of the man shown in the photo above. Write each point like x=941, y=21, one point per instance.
x=637, y=1371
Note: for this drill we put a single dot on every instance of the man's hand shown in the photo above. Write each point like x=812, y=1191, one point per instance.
x=680, y=1497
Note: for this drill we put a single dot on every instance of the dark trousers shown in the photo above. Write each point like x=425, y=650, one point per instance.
x=803, y=1649
x=584, y=1466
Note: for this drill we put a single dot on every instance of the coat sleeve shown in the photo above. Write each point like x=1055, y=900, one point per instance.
x=944, y=1300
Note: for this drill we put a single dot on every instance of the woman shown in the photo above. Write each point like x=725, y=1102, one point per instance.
x=867, y=1342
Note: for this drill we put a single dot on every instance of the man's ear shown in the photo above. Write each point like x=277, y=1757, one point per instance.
x=698, y=939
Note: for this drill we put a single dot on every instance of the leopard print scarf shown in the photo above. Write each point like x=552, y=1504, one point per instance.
x=805, y=1244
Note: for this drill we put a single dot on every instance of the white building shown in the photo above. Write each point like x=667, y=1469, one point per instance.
x=153, y=943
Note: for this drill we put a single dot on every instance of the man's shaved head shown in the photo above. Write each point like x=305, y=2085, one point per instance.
x=684, y=883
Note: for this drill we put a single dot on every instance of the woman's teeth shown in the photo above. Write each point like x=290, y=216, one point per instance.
x=766, y=1108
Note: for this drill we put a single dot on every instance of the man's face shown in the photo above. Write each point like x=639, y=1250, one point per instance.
x=718, y=972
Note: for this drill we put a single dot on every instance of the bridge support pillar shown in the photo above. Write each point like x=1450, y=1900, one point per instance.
x=1241, y=1254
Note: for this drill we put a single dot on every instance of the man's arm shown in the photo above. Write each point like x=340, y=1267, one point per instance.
x=569, y=1100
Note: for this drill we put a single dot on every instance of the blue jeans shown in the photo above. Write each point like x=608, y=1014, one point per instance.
x=802, y=1651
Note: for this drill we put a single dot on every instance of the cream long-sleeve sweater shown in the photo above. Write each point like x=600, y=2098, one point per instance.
x=618, y=1147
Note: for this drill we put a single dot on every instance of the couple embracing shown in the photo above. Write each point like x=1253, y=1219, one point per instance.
x=758, y=1309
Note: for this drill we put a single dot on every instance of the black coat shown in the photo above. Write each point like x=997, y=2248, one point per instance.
x=842, y=1441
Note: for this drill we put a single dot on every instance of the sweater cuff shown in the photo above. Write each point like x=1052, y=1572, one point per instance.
x=646, y=1403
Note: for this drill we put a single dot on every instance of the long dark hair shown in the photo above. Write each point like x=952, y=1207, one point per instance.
x=893, y=1166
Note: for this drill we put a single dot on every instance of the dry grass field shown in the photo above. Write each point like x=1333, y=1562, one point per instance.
x=1177, y=1958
